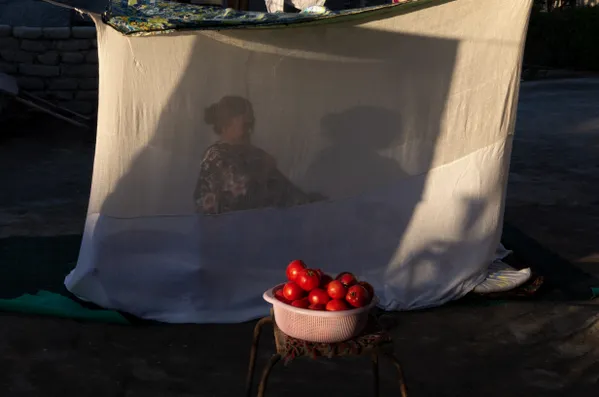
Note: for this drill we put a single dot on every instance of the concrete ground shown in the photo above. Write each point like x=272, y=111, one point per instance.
x=553, y=192
x=509, y=349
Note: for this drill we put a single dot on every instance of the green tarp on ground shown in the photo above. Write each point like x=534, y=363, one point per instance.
x=51, y=304
x=32, y=272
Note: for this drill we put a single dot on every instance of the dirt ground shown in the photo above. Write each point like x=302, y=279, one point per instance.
x=509, y=349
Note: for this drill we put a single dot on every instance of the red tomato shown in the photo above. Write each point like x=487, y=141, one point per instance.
x=294, y=268
x=357, y=296
x=318, y=297
x=369, y=288
x=336, y=290
x=317, y=307
x=325, y=279
x=292, y=291
x=279, y=295
x=336, y=305
x=308, y=279
x=347, y=279
x=304, y=303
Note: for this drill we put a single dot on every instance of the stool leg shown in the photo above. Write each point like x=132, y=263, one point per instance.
x=375, y=374
x=253, y=353
x=271, y=363
x=400, y=377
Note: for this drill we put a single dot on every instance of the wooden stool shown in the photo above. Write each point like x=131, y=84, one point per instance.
x=373, y=342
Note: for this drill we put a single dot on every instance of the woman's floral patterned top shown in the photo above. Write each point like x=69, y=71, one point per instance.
x=243, y=177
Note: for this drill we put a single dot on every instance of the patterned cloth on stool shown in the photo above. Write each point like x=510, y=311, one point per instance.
x=373, y=342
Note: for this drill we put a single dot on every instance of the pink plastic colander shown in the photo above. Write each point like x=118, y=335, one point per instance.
x=315, y=325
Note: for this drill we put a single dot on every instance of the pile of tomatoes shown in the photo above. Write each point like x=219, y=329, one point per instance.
x=312, y=289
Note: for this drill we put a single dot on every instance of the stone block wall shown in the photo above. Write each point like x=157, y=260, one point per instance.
x=57, y=64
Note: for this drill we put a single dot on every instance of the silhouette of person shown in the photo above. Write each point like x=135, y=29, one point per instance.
x=236, y=175
x=351, y=164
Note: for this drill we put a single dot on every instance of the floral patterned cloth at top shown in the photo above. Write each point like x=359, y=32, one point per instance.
x=147, y=18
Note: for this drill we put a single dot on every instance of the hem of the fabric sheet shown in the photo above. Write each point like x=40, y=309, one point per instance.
x=208, y=317
x=79, y=276
x=465, y=289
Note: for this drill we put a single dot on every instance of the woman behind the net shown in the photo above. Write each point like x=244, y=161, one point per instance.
x=236, y=175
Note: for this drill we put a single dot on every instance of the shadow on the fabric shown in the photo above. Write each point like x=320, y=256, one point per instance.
x=351, y=163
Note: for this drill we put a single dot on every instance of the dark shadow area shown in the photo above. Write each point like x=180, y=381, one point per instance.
x=32, y=13
x=563, y=39
x=558, y=272
x=351, y=163
x=30, y=264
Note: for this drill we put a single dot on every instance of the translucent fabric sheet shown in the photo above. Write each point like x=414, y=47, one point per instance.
x=378, y=145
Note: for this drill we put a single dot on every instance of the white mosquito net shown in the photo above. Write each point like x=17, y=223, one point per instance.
x=376, y=142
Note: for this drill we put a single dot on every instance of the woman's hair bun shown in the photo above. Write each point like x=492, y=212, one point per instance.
x=220, y=113
x=210, y=114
